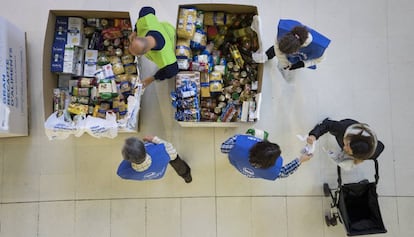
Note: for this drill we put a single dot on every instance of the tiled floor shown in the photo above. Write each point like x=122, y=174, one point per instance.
x=70, y=188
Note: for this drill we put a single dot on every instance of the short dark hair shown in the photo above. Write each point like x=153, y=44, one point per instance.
x=362, y=141
x=134, y=150
x=264, y=154
x=360, y=147
x=293, y=40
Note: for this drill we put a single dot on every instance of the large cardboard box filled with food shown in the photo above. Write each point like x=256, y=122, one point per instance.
x=91, y=82
x=218, y=83
x=14, y=104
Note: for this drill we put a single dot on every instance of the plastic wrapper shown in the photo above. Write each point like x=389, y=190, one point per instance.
x=189, y=115
x=199, y=41
x=186, y=23
x=182, y=48
x=216, y=18
x=228, y=113
x=59, y=128
x=188, y=103
x=101, y=127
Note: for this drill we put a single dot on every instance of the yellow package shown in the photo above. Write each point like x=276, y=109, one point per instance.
x=186, y=23
x=182, y=49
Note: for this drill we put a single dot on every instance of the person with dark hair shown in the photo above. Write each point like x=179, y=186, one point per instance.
x=296, y=46
x=357, y=141
x=149, y=159
x=155, y=40
x=257, y=158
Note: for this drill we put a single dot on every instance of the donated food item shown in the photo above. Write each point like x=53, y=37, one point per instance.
x=186, y=23
x=182, y=48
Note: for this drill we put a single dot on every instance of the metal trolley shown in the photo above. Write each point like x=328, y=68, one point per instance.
x=355, y=205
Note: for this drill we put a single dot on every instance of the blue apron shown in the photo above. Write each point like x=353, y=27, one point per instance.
x=314, y=50
x=239, y=158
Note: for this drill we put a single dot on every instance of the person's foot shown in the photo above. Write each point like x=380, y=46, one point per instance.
x=187, y=178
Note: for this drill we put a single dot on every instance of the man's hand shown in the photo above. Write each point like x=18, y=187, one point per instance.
x=148, y=138
x=147, y=81
x=305, y=157
x=310, y=139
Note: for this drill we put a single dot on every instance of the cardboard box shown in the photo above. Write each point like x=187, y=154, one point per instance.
x=13, y=90
x=217, y=12
x=57, y=20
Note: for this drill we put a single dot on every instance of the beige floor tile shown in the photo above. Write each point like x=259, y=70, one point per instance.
x=234, y=216
x=19, y=219
x=92, y=218
x=128, y=217
x=57, y=219
x=165, y=213
x=198, y=217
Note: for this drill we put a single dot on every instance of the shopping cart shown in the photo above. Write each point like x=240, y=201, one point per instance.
x=355, y=205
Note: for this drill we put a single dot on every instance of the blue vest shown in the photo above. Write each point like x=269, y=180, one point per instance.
x=314, y=50
x=239, y=158
x=160, y=160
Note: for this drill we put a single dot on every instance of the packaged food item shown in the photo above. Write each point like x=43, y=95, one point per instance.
x=87, y=82
x=204, y=85
x=130, y=68
x=182, y=48
x=78, y=109
x=199, y=23
x=105, y=89
x=215, y=18
x=183, y=76
x=186, y=23
x=79, y=99
x=114, y=60
x=208, y=103
x=216, y=83
x=127, y=59
x=183, y=63
x=235, y=53
x=125, y=87
x=199, y=41
x=228, y=113
x=188, y=115
x=81, y=91
x=118, y=68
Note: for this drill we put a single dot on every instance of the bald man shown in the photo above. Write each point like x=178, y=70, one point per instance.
x=155, y=40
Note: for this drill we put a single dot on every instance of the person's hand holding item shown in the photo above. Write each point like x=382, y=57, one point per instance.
x=297, y=65
x=305, y=157
x=147, y=81
x=310, y=139
x=259, y=57
x=148, y=138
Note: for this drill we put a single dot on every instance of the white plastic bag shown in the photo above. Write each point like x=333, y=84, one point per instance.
x=57, y=128
x=99, y=128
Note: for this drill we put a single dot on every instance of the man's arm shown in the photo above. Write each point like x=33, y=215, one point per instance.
x=228, y=144
x=292, y=166
x=167, y=72
x=320, y=129
x=168, y=146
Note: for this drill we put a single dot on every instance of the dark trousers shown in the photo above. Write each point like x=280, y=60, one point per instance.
x=182, y=168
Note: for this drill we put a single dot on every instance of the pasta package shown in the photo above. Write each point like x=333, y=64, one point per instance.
x=186, y=23
x=218, y=18
x=182, y=48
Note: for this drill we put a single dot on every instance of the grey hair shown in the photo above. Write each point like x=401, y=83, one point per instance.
x=134, y=150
